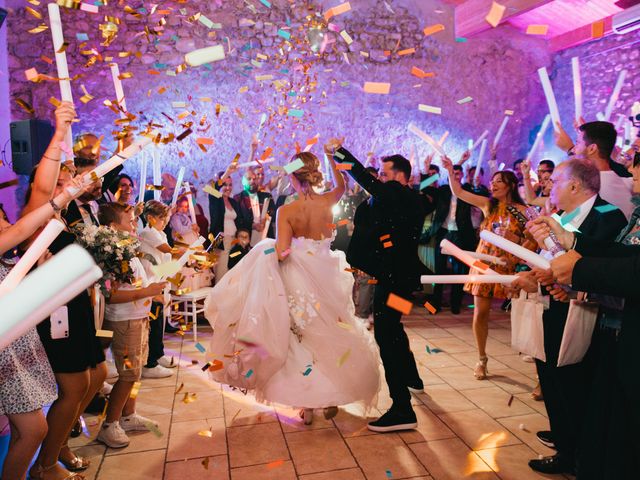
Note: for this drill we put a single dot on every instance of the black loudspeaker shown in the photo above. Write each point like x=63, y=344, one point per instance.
x=29, y=140
x=3, y=15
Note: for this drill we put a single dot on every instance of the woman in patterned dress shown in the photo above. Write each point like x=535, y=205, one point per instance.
x=504, y=216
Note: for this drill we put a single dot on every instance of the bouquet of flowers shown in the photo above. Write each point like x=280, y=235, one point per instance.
x=112, y=251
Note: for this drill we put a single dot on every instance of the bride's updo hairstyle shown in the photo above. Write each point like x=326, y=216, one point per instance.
x=309, y=174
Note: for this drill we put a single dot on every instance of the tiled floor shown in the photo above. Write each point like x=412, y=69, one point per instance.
x=467, y=428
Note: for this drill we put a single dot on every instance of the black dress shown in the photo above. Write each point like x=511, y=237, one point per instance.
x=81, y=349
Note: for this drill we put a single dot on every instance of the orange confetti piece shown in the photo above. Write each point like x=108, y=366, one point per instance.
x=276, y=464
x=385, y=237
x=216, y=365
x=421, y=73
x=204, y=141
x=407, y=51
x=432, y=310
x=153, y=72
x=337, y=10
x=430, y=30
x=537, y=29
x=387, y=244
x=344, y=166
x=267, y=153
x=343, y=222
x=379, y=88
x=372, y=281
x=399, y=304
x=479, y=265
x=597, y=29
x=46, y=59
x=205, y=433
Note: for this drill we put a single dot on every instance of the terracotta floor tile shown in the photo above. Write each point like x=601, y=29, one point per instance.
x=397, y=457
x=451, y=459
x=495, y=401
x=255, y=444
x=534, y=404
x=515, y=362
x=349, y=474
x=133, y=466
x=195, y=380
x=512, y=381
x=94, y=454
x=354, y=423
x=430, y=427
x=452, y=345
x=238, y=410
x=310, y=453
x=532, y=424
x=471, y=358
x=511, y=462
x=434, y=361
x=292, y=422
x=207, y=404
x=444, y=398
x=155, y=401
x=478, y=430
x=460, y=378
x=270, y=471
x=215, y=468
x=184, y=441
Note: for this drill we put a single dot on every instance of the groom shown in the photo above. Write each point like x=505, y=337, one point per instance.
x=385, y=245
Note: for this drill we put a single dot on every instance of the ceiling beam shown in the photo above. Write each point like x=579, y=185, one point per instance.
x=577, y=36
x=470, y=16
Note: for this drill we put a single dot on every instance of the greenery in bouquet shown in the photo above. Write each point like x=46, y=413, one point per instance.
x=112, y=250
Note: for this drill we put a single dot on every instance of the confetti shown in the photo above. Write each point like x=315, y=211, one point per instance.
x=297, y=164
x=372, y=281
x=205, y=463
x=189, y=397
x=495, y=14
x=265, y=3
x=377, y=88
x=200, y=348
x=275, y=464
x=295, y=113
x=464, y=100
x=284, y=34
x=438, y=27
x=249, y=373
x=343, y=358
x=606, y=208
x=104, y=333
x=421, y=73
x=399, y=304
x=135, y=390
x=153, y=428
x=429, y=109
x=407, y=51
x=537, y=29
x=307, y=371
x=337, y=10
x=430, y=308
x=25, y=106
x=344, y=166
x=387, y=244
x=388, y=472
x=346, y=37
x=179, y=388
x=510, y=400
x=429, y=181
x=461, y=39
x=597, y=29
x=205, y=433
x=234, y=254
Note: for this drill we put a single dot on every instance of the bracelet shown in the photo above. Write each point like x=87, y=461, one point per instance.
x=52, y=159
x=55, y=207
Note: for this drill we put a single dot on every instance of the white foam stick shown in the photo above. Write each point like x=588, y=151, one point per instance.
x=465, y=257
x=539, y=136
x=470, y=144
x=619, y=121
x=450, y=279
x=204, y=55
x=443, y=138
x=265, y=208
x=192, y=209
x=627, y=132
x=31, y=256
x=117, y=83
x=614, y=95
x=577, y=87
x=55, y=24
x=44, y=290
x=119, y=158
x=178, y=186
x=265, y=231
x=478, y=256
x=550, y=96
x=483, y=148
x=503, y=125
x=157, y=173
x=255, y=206
x=143, y=176
x=328, y=174
x=426, y=138
x=479, y=140
x=531, y=258
x=254, y=163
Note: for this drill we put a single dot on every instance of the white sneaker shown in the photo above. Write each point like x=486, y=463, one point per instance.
x=156, y=372
x=167, y=362
x=112, y=371
x=106, y=388
x=138, y=423
x=112, y=435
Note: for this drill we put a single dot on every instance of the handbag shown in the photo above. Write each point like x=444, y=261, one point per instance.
x=578, y=330
x=527, y=331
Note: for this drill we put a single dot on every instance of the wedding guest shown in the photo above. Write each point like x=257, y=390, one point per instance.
x=224, y=212
x=127, y=315
x=201, y=218
x=184, y=231
x=251, y=194
x=85, y=208
x=153, y=242
x=241, y=248
x=504, y=215
x=28, y=383
x=121, y=190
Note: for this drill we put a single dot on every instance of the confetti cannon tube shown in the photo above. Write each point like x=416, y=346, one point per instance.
x=468, y=258
x=44, y=290
x=450, y=279
x=539, y=136
x=577, y=87
x=143, y=176
x=427, y=139
x=503, y=125
x=483, y=149
x=178, y=186
x=550, y=96
x=119, y=158
x=117, y=83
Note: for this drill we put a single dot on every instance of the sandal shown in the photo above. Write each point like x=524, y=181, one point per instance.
x=39, y=472
x=480, y=372
x=306, y=414
x=77, y=464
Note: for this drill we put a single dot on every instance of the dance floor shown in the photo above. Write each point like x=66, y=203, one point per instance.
x=467, y=428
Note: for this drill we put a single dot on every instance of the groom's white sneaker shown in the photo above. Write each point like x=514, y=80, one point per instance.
x=394, y=420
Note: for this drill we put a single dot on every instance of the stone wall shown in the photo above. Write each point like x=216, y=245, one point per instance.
x=496, y=69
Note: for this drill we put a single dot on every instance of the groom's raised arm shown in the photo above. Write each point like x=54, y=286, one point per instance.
x=371, y=184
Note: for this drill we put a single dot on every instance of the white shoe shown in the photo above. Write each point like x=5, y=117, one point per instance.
x=156, y=372
x=112, y=372
x=106, y=388
x=112, y=435
x=167, y=362
x=137, y=423
x=528, y=359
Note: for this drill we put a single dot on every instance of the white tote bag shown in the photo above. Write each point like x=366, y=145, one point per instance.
x=576, y=338
x=527, y=333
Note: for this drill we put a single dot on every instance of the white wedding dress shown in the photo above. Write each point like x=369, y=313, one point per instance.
x=287, y=331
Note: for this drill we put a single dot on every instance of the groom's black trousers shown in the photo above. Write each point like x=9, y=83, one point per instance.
x=399, y=365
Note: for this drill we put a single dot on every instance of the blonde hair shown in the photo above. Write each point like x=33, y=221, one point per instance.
x=309, y=175
x=156, y=209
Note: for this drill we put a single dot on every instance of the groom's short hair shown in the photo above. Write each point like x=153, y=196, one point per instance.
x=400, y=164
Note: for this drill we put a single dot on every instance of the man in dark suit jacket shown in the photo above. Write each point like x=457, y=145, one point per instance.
x=452, y=221
x=251, y=187
x=85, y=208
x=565, y=389
x=384, y=245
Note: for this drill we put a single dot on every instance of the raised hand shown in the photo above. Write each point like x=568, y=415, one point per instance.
x=332, y=145
x=465, y=156
x=65, y=114
x=525, y=168
x=447, y=163
x=562, y=139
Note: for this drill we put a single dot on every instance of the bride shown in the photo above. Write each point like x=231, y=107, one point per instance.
x=283, y=318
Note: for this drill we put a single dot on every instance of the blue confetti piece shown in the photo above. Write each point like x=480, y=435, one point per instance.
x=269, y=250
x=436, y=350
x=200, y=347
x=160, y=66
x=307, y=371
x=429, y=181
x=461, y=39
x=569, y=216
x=284, y=34
x=175, y=38
x=295, y=113
x=388, y=472
x=83, y=37
x=284, y=71
x=265, y=3
x=292, y=94
x=606, y=208
x=249, y=373
x=428, y=350
x=297, y=164
x=288, y=22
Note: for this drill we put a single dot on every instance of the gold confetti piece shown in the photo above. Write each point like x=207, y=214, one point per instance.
x=494, y=17
x=104, y=333
x=34, y=2
x=180, y=388
x=33, y=12
x=189, y=397
x=407, y=51
x=205, y=433
x=125, y=75
x=205, y=463
x=63, y=47
x=135, y=390
x=343, y=358
x=377, y=88
x=346, y=37
x=38, y=29
x=537, y=29
x=55, y=102
x=430, y=30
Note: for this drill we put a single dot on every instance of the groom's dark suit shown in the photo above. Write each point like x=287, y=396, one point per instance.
x=385, y=245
